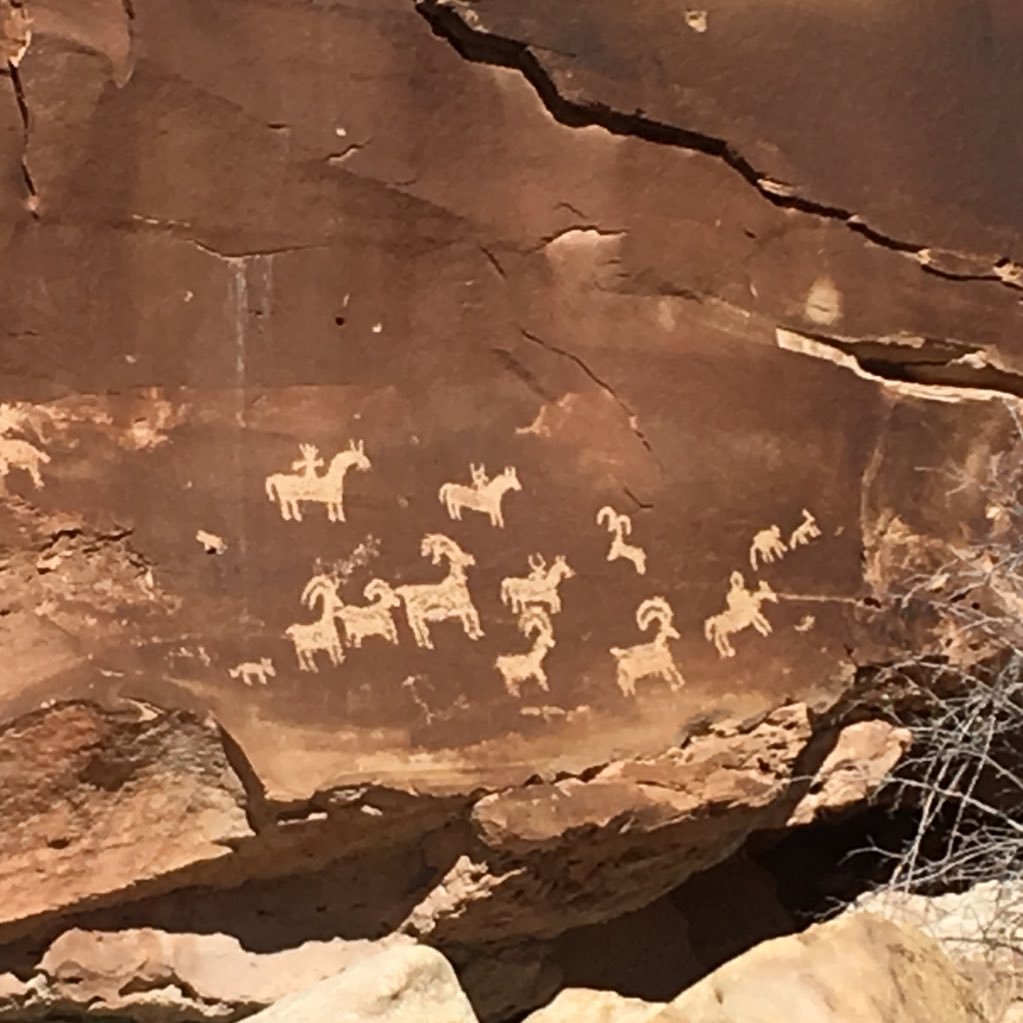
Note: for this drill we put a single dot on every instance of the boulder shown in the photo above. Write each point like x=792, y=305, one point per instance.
x=582, y=1005
x=407, y=984
x=158, y=975
x=858, y=968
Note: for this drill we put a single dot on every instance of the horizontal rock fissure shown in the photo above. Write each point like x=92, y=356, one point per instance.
x=900, y=364
x=484, y=47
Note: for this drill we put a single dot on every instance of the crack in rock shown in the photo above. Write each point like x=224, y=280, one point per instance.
x=631, y=416
x=972, y=376
x=32, y=203
x=460, y=27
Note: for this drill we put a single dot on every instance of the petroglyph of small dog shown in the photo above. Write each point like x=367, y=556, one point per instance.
x=619, y=525
x=806, y=531
x=440, y=601
x=652, y=659
x=742, y=610
x=517, y=669
x=251, y=672
x=16, y=453
x=373, y=619
x=539, y=588
x=211, y=543
x=291, y=490
x=483, y=495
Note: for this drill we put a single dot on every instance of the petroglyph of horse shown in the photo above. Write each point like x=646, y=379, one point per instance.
x=540, y=587
x=806, y=531
x=619, y=525
x=291, y=490
x=16, y=453
x=742, y=610
x=447, y=599
x=483, y=495
x=254, y=671
x=768, y=546
x=517, y=669
x=373, y=619
x=651, y=659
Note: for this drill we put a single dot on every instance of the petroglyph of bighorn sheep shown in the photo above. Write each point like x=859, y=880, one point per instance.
x=374, y=619
x=449, y=598
x=806, y=531
x=768, y=546
x=742, y=610
x=291, y=490
x=619, y=525
x=16, y=453
x=516, y=669
x=254, y=671
x=310, y=639
x=322, y=635
x=539, y=587
x=653, y=658
x=483, y=495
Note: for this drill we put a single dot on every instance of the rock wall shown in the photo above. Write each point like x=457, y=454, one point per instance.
x=455, y=455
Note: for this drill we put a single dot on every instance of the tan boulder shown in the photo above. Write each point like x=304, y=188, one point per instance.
x=580, y=1005
x=184, y=976
x=857, y=969
x=409, y=984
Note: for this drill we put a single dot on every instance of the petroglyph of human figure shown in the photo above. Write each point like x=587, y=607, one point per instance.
x=517, y=669
x=483, y=495
x=768, y=546
x=540, y=587
x=742, y=610
x=447, y=599
x=651, y=659
x=291, y=490
x=16, y=453
x=373, y=619
x=619, y=525
x=806, y=531
x=254, y=671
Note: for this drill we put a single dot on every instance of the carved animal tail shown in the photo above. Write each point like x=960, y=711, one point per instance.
x=709, y=628
x=442, y=494
x=271, y=488
x=506, y=592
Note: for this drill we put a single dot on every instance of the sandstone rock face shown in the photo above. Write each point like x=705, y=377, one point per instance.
x=857, y=969
x=401, y=985
x=453, y=454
